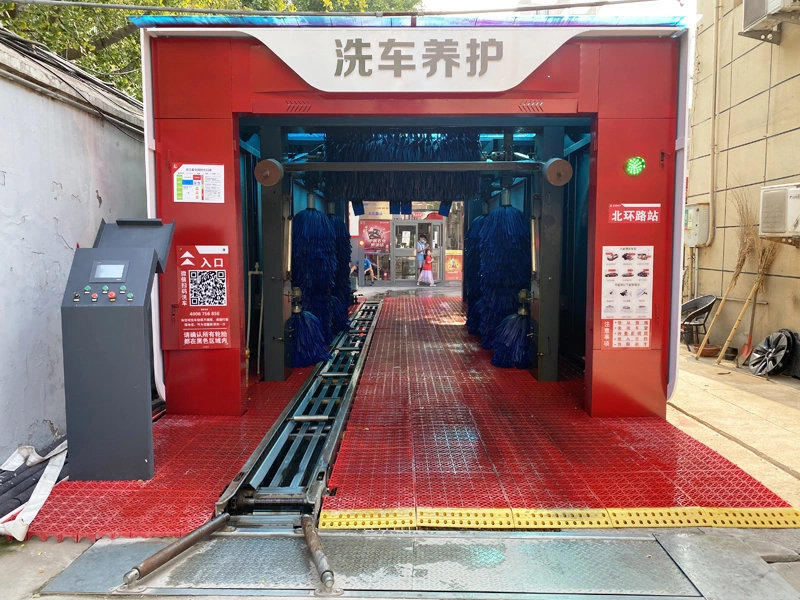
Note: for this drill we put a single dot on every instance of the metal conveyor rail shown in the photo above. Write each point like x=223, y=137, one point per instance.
x=287, y=473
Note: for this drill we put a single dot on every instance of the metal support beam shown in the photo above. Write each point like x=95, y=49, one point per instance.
x=545, y=307
x=275, y=226
x=383, y=167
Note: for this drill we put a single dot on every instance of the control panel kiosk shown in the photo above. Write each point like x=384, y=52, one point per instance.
x=107, y=339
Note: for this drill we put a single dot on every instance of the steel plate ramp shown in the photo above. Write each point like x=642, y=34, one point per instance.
x=526, y=565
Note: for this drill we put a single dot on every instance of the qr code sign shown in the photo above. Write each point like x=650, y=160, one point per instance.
x=207, y=288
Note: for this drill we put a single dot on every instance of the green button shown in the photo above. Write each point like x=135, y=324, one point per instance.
x=87, y=289
x=130, y=296
x=122, y=288
x=105, y=288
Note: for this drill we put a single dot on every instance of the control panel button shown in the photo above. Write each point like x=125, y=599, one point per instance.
x=94, y=297
x=105, y=289
x=130, y=297
x=112, y=296
x=87, y=289
x=76, y=297
x=122, y=288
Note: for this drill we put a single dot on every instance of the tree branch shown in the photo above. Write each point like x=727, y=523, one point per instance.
x=102, y=43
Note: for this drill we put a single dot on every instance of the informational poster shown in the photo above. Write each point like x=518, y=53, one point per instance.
x=376, y=235
x=406, y=239
x=453, y=265
x=626, y=333
x=204, y=318
x=638, y=214
x=627, y=282
x=627, y=296
x=204, y=184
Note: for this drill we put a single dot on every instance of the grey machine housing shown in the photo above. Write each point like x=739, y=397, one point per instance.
x=107, y=342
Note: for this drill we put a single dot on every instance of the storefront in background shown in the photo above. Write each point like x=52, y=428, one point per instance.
x=390, y=241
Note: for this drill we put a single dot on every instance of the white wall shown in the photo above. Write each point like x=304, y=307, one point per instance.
x=61, y=171
x=757, y=137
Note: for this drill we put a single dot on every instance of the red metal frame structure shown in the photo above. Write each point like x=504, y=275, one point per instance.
x=200, y=80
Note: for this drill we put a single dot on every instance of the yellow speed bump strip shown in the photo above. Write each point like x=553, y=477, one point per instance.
x=568, y=518
x=659, y=517
x=465, y=518
x=756, y=518
x=587, y=518
x=389, y=518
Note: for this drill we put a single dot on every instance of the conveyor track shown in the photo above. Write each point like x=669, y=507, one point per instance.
x=287, y=474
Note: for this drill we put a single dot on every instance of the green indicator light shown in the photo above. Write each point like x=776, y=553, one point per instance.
x=105, y=288
x=122, y=288
x=130, y=295
x=88, y=288
x=634, y=166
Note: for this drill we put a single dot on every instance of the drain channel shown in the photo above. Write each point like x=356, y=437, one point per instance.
x=287, y=474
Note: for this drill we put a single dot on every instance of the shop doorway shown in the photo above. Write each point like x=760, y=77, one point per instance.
x=405, y=234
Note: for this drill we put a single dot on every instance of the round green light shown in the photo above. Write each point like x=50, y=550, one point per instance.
x=130, y=295
x=105, y=288
x=634, y=166
x=87, y=289
x=122, y=288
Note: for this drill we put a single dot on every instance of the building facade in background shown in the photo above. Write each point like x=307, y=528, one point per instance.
x=756, y=122
x=63, y=168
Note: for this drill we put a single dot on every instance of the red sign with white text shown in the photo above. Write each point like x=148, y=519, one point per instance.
x=634, y=213
x=204, y=316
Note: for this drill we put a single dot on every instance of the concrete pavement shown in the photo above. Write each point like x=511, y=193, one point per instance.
x=751, y=421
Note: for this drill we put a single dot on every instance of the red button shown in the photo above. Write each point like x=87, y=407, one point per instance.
x=94, y=296
x=112, y=295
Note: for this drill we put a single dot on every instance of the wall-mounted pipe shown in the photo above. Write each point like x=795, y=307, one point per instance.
x=712, y=171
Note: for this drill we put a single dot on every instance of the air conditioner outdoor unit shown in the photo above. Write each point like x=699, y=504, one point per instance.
x=763, y=15
x=780, y=213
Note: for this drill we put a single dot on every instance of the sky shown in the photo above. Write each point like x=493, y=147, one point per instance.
x=656, y=8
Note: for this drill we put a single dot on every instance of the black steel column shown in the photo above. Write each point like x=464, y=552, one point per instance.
x=472, y=210
x=275, y=226
x=546, y=304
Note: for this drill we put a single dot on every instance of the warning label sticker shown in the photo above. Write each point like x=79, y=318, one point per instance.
x=626, y=333
x=199, y=183
x=203, y=314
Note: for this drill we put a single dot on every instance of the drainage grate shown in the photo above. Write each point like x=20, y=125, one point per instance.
x=297, y=452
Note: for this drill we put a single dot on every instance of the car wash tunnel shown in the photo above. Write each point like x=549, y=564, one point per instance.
x=533, y=169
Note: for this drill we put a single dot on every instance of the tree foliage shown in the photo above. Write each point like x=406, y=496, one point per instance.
x=106, y=44
x=355, y=5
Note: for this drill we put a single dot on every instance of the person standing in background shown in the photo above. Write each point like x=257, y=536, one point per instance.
x=369, y=270
x=422, y=246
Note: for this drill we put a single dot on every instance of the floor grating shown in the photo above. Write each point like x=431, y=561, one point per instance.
x=437, y=428
x=195, y=459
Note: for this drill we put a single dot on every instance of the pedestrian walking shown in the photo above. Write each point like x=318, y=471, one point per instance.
x=426, y=273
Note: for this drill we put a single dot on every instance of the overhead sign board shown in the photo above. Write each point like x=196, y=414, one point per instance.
x=414, y=60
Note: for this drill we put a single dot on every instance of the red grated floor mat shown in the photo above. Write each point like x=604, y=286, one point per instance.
x=435, y=425
x=196, y=457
